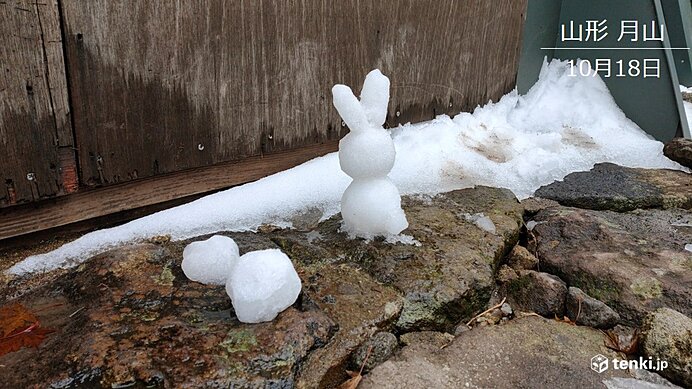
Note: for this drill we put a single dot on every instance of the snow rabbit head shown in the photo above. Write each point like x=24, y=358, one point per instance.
x=368, y=150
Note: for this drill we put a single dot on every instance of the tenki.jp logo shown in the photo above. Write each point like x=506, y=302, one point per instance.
x=600, y=363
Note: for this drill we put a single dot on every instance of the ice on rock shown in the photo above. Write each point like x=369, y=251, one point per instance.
x=210, y=261
x=371, y=205
x=481, y=221
x=262, y=284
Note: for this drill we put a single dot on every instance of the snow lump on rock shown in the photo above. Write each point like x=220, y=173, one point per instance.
x=210, y=261
x=262, y=284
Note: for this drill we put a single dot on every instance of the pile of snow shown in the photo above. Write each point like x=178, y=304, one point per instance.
x=262, y=284
x=210, y=261
x=371, y=205
x=562, y=125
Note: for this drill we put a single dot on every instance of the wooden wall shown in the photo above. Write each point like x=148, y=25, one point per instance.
x=35, y=129
x=162, y=86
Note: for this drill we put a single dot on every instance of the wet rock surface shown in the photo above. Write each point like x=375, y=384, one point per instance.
x=667, y=335
x=587, y=311
x=432, y=339
x=359, y=305
x=634, y=262
x=537, y=292
x=530, y=352
x=617, y=188
x=521, y=259
x=374, y=351
x=129, y=317
x=448, y=275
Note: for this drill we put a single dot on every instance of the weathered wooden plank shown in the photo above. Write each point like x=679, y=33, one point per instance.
x=160, y=86
x=48, y=16
x=32, y=92
x=60, y=211
x=49, y=22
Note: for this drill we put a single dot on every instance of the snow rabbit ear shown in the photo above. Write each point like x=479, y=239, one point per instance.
x=374, y=97
x=349, y=108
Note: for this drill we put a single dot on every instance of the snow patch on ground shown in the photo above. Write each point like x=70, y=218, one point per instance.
x=562, y=125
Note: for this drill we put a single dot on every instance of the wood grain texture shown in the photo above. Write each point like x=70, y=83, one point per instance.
x=35, y=129
x=60, y=211
x=178, y=98
x=162, y=86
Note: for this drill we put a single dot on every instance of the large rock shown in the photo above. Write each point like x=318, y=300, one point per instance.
x=448, y=275
x=587, y=311
x=525, y=353
x=360, y=307
x=667, y=335
x=634, y=262
x=537, y=292
x=374, y=351
x=521, y=259
x=433, y=339
x=611, y=187
x=130, y=317
x=680, y=151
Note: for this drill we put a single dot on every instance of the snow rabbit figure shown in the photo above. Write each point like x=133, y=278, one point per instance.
x=371, y=205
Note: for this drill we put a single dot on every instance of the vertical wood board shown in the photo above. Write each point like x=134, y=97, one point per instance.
x=35, y=129
x=163, y=86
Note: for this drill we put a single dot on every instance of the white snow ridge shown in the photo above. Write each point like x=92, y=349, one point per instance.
x=563, y=124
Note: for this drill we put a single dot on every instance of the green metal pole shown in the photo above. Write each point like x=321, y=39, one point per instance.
x=673, y=72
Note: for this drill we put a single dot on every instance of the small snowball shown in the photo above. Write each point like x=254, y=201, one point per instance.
x=481, y=221
x=372, y=207
x=374, y=97
x=210, y=261
x=367, y=154
x=262, y=284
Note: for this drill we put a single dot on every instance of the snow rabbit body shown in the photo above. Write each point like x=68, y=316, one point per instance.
x=371, y=205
